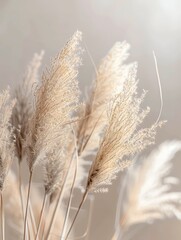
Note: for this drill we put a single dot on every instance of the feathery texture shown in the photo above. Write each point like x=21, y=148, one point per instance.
x=122, y=138
x=109, y=81
x=148, y=188
x=54, y=171
x=111, y=75
x=56, y=101
x=48, y=132
x=6, y=136
x=23, y=109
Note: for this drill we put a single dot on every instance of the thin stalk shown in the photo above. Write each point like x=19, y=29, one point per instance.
x=75, y=217
x=33, y=223
x=59, y=199
x=160, y=88
x=21, y=194
x=20, y=189
x=27, y=205
x=92, y=131
x=41, y=214
x=76, y=120
x=86, y=234
x=81, y=131
x=2, y=219
x=31, y=214
x=69, y=202
x=45, y=217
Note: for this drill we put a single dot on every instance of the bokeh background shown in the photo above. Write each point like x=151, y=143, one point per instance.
x=29, y=26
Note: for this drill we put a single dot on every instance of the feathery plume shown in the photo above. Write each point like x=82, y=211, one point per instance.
x=56, y=101
x=109, y=81
x=148, y=188
x=122, y=138
x=58, y=158
x=108, y=127
x=6, y=136
x=111, y=75
x=23, y=109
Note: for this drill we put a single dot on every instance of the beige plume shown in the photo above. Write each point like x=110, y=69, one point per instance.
x=23, y=109
x=6, y=135
x=148, y=188
x=122, y=138
x=56, y=101
x=109, y=81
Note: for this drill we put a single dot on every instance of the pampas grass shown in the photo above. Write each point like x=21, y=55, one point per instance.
x=147, y=193
x=6, y=146
x=48, y=128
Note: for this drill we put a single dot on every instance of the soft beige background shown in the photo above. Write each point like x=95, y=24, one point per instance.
x=28, y=26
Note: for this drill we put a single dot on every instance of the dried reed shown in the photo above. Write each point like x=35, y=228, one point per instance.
x=52, y=130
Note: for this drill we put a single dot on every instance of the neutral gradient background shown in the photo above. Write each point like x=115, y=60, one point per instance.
x=32, y=25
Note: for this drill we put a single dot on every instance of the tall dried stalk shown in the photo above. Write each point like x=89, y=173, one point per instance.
x=56, y=100
x=23, y=111
x=2, y=218
x=54, y=130
x=27, y=205
x=59, y=199
x=75, y=217
x=41, y=215
x=110, y=77
x=64, y=228
x=63, y=72
x=122, y=139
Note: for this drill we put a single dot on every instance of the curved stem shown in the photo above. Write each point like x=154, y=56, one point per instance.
x=2, y=219
x=45, y=217
x=69, y=202
x=41, y=215
x=31, y=213
x=33, y=223
x=75, y=217
x=21, y=194
x=20, y=188
x=60, y=196
x=27, y=205
x=91, y=133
